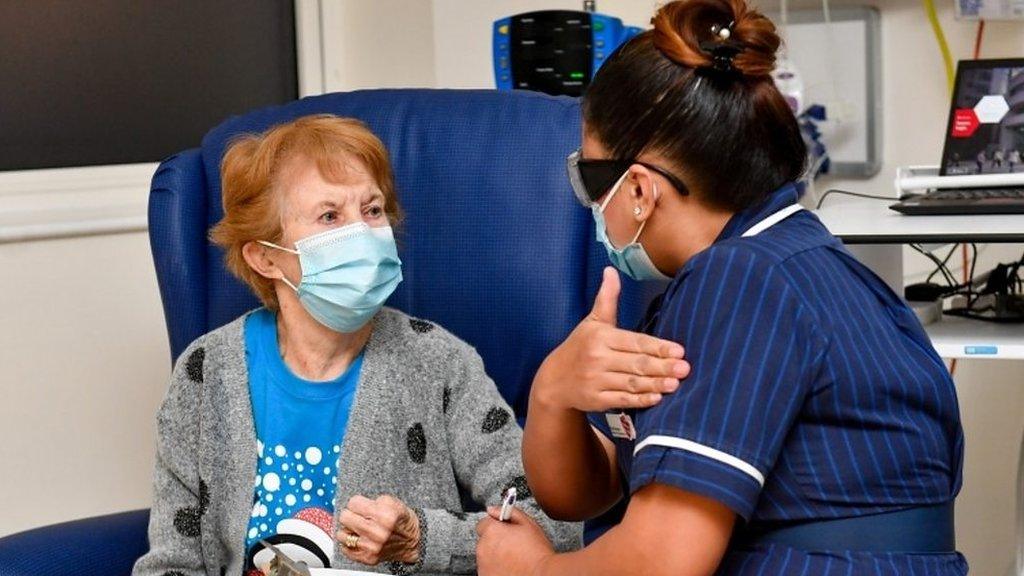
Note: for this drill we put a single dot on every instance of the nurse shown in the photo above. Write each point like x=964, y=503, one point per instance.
x=818, y=431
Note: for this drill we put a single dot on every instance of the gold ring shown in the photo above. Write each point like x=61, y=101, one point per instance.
x=352, y=541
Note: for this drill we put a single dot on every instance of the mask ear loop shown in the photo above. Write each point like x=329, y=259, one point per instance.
x=615, y=189
x=272, y=245
x=296, y=252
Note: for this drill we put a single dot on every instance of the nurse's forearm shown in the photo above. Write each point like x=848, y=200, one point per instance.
x=571, y=473
x=615, y=554
x=665, y=531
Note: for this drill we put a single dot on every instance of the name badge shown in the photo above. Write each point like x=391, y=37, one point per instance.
x=621, y=425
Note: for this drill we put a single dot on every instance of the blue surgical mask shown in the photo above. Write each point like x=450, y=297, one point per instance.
x=347, y=274
x=631, y=259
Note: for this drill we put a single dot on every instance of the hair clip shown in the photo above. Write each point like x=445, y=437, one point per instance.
x=722, y=53
x=723, y=32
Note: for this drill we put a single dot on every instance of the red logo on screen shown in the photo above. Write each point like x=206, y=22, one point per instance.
x=965, y=123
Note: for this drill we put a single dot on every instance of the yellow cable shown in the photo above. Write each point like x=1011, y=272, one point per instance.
x=940, y=36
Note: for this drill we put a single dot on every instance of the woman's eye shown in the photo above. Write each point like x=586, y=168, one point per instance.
x=375, y=211
x=329, y=217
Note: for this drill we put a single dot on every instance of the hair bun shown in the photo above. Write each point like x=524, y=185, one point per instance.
x=724, y=35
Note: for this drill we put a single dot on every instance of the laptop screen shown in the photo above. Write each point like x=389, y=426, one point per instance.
x=985, y=134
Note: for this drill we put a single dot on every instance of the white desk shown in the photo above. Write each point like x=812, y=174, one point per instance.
x=872, y=223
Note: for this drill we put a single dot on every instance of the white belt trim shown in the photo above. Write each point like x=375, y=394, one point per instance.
x=706, y=451
x=772, y=220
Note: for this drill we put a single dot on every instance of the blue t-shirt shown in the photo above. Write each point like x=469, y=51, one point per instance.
x=299, y=430
x=814, y=394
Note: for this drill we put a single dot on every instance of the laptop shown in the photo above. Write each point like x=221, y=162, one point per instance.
x=984, y=135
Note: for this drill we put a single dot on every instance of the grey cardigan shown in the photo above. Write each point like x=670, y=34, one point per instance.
x=427, y=425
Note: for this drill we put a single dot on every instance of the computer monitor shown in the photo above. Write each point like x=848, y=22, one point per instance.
x=985, y=133
x=113, y=82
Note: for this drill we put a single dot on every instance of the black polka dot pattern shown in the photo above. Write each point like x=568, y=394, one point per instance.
x=416, y=441
x=204, y=497
x=522, y=488
x=446, y=399
x=187, y=521
x=495, y=420
x=421, y=326
x=194, y=365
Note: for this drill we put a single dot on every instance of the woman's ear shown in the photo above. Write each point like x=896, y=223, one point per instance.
x=643, y=192
x=257, y=257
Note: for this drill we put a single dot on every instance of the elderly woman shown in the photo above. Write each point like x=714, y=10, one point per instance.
x=343, y=433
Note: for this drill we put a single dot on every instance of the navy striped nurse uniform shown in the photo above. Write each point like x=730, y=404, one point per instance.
x=814, y=394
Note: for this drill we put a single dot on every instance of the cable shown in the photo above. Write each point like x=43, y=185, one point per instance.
x=970, y=277
x=950, y=280
x=940, y=37
x=945, y=261
x=939, y=266
x=954, y=270
x=978, y=38
x=963, y=264
x=857, y=194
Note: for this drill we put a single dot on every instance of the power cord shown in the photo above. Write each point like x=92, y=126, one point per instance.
x=940, y=266
x=944, y=263
x=858, y=195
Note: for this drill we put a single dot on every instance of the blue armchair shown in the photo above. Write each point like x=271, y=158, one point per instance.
x=495, y=249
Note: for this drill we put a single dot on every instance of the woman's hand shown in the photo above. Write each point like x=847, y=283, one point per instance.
x=514, y=548
x=600, y=367
x=387, y=531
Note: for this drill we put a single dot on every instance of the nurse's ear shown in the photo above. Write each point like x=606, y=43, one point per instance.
x=644, y=192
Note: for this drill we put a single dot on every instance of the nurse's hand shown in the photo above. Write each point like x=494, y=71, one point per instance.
x=388, y=530
x=514, y=548
x=601, y=367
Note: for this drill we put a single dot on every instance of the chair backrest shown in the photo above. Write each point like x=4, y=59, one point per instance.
x=495, y=247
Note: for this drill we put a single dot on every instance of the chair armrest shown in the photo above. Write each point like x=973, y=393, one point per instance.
x=99, y=546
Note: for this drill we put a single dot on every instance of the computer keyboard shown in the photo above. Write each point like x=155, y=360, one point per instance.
x=964, y=201
x=974, y=194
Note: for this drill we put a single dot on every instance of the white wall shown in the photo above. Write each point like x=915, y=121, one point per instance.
x=378, y=44
x=83, y=351
x=83, y=365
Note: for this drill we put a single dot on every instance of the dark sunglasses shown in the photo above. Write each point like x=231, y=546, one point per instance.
x=591, y=179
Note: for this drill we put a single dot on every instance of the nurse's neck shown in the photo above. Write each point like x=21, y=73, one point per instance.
x=681, y=228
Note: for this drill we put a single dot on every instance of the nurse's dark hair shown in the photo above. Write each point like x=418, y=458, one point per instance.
x=721, y=122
